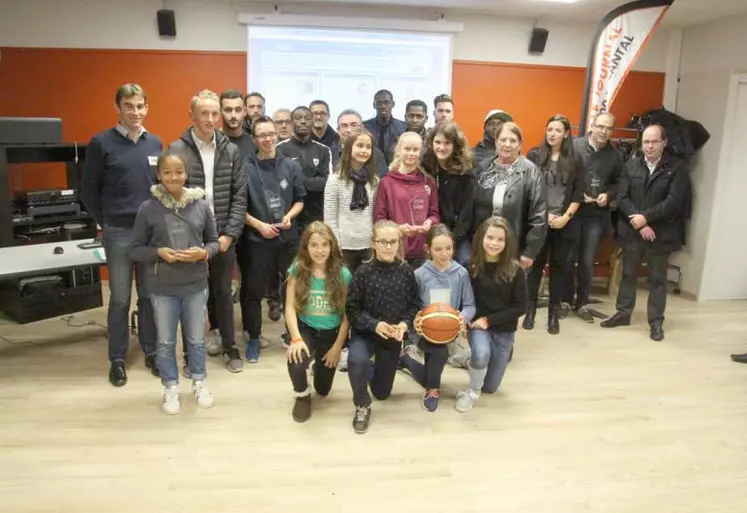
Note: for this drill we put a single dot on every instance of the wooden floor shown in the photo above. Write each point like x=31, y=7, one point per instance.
x=591, y=420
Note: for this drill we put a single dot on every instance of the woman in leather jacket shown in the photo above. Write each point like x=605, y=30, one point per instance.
x=511, y=186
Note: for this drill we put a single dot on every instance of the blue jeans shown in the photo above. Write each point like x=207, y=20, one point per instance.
x=464, y=252
x=491, y=350
x=116, y=242
x=190, y=310
x=590, y=233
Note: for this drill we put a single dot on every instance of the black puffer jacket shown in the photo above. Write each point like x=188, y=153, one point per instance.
x=229, y=180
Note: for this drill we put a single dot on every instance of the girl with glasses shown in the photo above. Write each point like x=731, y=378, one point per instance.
x=381, y=305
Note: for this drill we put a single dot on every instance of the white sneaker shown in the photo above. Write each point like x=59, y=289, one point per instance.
x=342, y=365
x=170, y=404
x=202, y=394
x=466, y=399
x=214, y=343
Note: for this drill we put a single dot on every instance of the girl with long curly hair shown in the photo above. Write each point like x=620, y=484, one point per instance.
x=448, y=160
x=315, y=314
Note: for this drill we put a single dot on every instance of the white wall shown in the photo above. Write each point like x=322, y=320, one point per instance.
x=212, y=25
x=711, y=53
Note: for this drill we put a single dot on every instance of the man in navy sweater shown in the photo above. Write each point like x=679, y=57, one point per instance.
x=118, y=174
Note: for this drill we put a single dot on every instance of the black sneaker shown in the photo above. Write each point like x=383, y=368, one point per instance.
x=233, y=361
x=150, y=363
x=584, y=313
x=657, y=332
x=118, y=374
x=302, y=409
x=361, y=419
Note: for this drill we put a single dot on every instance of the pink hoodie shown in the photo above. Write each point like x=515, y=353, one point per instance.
x=408, y=199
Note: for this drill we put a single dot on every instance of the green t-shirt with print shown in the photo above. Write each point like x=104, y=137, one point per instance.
x=318, y=313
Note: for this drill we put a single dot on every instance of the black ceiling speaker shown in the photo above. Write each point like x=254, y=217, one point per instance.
x=166, y=23
x=539, y=40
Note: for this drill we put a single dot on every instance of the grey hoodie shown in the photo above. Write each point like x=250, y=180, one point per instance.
x=452, y=286
x=165, y=222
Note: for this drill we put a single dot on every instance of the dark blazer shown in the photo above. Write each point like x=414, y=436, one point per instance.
x=574, y=190
x=660, y=196
x=229, y=180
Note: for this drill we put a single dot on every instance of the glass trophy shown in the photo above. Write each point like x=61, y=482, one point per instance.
x=177, y=231
x=593, y=185
x=276, y=206
x=419, y=208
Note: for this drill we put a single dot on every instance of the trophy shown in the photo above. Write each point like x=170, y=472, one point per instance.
x=419, y=208
x=593, y=185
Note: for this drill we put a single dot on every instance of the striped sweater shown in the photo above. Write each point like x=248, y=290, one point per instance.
x=352, y=227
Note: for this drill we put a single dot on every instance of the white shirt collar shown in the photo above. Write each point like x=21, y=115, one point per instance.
x=126, y=133
x=652, y=165
x=200, y=143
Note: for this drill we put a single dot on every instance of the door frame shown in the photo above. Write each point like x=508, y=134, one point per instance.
x=736, y=80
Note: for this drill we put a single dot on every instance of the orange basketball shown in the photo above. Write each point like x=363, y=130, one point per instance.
x=440, y=323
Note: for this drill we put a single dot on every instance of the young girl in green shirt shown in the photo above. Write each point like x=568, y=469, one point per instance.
x=317, y=289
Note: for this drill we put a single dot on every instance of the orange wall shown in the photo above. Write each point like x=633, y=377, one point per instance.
x=78, y=86
x=532, y=94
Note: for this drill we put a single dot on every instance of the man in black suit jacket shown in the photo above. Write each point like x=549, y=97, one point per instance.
x=652, y=198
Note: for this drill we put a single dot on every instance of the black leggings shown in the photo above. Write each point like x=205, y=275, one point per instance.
x=556, y=249
x=319, y=342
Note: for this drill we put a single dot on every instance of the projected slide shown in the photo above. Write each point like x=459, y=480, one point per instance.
x=292, y=66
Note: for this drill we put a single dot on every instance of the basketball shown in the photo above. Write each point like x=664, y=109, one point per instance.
x=440, y=323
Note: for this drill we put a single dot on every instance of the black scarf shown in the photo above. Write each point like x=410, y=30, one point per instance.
x=360, y=196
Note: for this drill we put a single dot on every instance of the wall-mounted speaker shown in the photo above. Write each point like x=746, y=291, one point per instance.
x=538, y=40
x=166, y=23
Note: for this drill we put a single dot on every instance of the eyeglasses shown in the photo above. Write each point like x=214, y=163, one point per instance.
x=320, y=114
x=268, y=135
x=387, y=243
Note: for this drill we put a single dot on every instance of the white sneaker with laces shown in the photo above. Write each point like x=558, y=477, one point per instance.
x=202, y=394
x=466, y=399
x=214, y=343
x=170, y=400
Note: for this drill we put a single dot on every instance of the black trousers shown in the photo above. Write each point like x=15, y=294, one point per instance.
x=220, y=299
x=428, y=373
x=319, y=342
x=258, y=261
x=379, y=374
x=556, y=249
x=355, y=257
x=657, y=273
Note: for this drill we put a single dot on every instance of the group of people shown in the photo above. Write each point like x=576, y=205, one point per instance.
x=351, y=232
